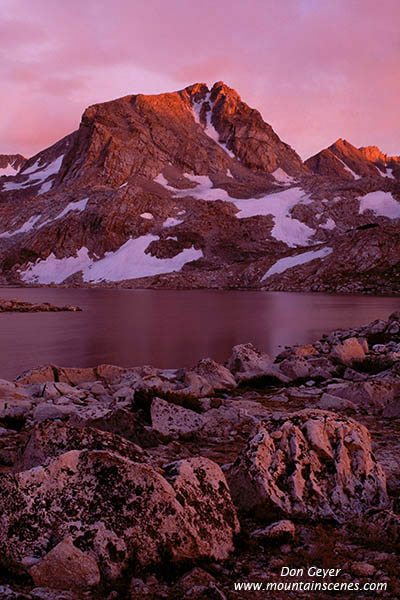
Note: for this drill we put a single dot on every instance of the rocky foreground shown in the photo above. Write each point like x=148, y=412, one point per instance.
x=149, y=483
x=21, y=306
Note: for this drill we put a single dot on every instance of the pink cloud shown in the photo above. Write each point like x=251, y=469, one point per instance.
x=316, y=70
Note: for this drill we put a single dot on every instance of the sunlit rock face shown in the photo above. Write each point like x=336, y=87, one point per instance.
x=194, y=189
x=313, y=464
x=116, y=512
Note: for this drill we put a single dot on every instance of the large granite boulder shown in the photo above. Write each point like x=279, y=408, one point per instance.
x=49, y=439
x=312, y=464
x=120, y=513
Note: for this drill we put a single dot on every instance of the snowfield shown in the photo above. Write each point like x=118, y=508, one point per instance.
x=286, y=229
x=8, y=171
x=78, y=206
x=209, y=129
x=27, y=226
x=381, y=203
x=288, y=262
x=281, y=176
x=130, y=261
x=278, y=205
x=37, y=175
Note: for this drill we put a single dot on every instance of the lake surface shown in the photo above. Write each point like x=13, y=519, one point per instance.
x=169, y=328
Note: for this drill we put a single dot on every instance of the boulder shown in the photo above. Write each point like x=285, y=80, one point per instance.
x=330, y=402
x=66, y=567
x=281, y=530
x=74, y=376
x=110, y=373
x=201, y=488
x=362, y=569
x=194, y=579
x=218, y=376
x=49, y=439
x=350, y=350
x=246, y=363
x=124, y=423
x=9, y=390
x=38, y=375
x=312, y=464
x=198, y=585
x=219, y=422
x=295, y=368
x=306, y=351
x=375, y=394
x=48, y=410
x=172, y=420
x=195, y=386
x=120, y=512
x=382, y=524
x=11, y=408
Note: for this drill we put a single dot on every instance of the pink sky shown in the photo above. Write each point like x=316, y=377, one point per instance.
x=316, y=69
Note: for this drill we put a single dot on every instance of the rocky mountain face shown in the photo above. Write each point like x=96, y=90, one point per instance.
x=344, y=160
x=178, y=483
x=193, y=189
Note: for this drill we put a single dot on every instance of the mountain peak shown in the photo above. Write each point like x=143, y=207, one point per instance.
x=342, y=145
x=375, y=155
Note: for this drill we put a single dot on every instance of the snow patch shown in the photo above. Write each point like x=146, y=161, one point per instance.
x=36, y=175
x=389, y=173
x=286, y=229
x=160, y=179
x=171, y=222
x=204, y=190
x=330, y=224
x=45, y=187
x=281, y=176
x=8, y=171
x=27, y=226
x=381, y=203
x=56, y=270
x=79, y=206
x=209, y=128
x=348, y=168
x=146, y=215
x=288, y=262
x=130, y=261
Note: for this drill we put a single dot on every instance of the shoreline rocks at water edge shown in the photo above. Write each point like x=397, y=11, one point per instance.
x=176, y=483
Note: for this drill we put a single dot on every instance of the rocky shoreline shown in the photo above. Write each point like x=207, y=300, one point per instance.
x=180, y=483
x=21, y=306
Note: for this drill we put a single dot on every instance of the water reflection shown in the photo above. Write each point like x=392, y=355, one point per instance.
x=168, y=328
